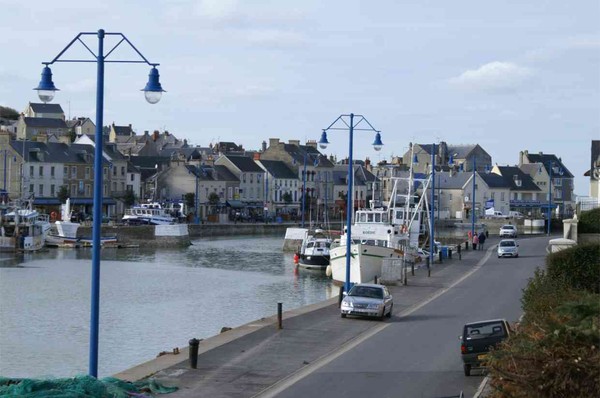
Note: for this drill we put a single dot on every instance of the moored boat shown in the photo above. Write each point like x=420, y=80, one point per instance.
x=314, y=252
x=148, y=214
x=23, y=229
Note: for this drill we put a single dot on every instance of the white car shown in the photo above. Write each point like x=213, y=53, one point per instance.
x=508, y=231
x=508, y=248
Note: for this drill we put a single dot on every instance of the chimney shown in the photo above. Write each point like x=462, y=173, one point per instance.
x=273, y=142
x=294, y=142
x=541, y=153
x=312, y=143
x=256, y=156
x=368, y=164
x=155, y=135
x=264, y=146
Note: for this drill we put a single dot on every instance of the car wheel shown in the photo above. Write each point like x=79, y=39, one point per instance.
x=382, y=316
x=389, y=315
x=467, y=369
x=343, y=315
x=517, y=255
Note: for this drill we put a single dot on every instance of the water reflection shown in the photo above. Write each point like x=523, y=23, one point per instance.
x=151, y=301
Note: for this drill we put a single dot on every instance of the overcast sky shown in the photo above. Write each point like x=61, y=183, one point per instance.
x=509, y=75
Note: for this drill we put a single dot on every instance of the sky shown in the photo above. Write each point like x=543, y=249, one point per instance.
x=510, y=75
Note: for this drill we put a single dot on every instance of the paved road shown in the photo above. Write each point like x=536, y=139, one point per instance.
x=317, y=353
x=417, y=355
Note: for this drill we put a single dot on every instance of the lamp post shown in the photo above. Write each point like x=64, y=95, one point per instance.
x=473, y=199
x=551, y=164
x=351, y=125
x=46, y=90
x=196, y=220
x=304, y=189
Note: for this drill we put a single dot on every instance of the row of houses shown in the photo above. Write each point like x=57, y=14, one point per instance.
x=39, y=158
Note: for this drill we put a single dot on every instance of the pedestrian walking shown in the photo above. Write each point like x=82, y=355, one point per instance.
x=481, y=240
x=475, y=241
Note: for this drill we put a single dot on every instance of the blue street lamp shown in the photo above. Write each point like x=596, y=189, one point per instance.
x=487, y=170
x=551, y=164
x=46, y=89
x=377, y=144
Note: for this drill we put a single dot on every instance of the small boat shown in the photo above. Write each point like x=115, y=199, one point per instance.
x=23, y=229
x=314, y=252
x=148, y=214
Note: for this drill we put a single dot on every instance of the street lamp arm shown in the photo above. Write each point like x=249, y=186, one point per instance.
x=123, y=39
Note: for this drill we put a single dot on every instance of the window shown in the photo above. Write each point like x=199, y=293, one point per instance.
x=73, y=171
x=105, y=174
x=114, y=170
x=122, y=187
x=52, y=190
x=122, y=171
x=131, y=177
x=88, y=190
x=73, y=190
x=502, y=196
x=52, y=171
x=66, y=171
x=244, y=178
x=87, y=172
x=41, y=171
x=114, y=186
x=105, y=190
x=492, y=195
x=41, y=190
x=30, y=171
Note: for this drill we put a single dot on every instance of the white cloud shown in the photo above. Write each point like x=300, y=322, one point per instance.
x=494, y=76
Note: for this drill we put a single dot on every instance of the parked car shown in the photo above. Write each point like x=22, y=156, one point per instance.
x=508, y=231
x=478, y=338
x=508, y=248
x=367, y=299
x=515, y=214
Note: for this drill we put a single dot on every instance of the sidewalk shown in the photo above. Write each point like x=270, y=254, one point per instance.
x=249, y=359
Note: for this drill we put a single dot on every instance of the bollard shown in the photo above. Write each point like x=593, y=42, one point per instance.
x=412, y=267
x=404, y=271
x=279, y=316
x=441, y=255
x=467, y=245
x=341, y=296
x=449, y=253
x=194, y=343
x=426, y=263
x=375, y=279
x=459, y=254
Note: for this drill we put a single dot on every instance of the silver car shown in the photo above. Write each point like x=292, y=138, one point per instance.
x=508, y=231
x=367, y=299
x=508, y=248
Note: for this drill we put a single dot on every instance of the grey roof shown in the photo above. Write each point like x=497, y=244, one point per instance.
x=546, y=159
x=426, y=147
x=77, y=122
x=188, y=152
x=53, y=152
x=509, y=173
x=202, y=173
x=278, y=169
x=44, y=122
x=494, y=180
x=123, y=130
x=245, y=164
x=222, y=173
x=46, y=108
x=456, y=181
x=461, y=151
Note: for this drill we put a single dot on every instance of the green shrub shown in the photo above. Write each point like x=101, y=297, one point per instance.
x=553, y=357
x=589, y=222
x=578, y=266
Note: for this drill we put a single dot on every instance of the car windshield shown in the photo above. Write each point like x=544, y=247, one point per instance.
x=480, y=331
x=508, y=227
x=366, y=291
x=505, y=243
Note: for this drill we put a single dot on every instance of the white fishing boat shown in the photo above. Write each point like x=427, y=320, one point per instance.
x=373, y=238
x=23, y=229
x=314, y=252
x=64, y=232
x=148, y=214
x=379, y=233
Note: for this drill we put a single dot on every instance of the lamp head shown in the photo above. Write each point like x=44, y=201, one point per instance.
x=377, y=144
x=451, y=161
x=46, y=88
x=323, y=141
x=153, y=90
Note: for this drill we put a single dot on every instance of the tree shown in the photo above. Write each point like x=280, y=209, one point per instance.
x=63, y=194
x=8, y=113
x=213, y=200
x=129, y=198
x=190, y=200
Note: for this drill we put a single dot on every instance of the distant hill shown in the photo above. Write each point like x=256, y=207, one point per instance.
x=8, y=113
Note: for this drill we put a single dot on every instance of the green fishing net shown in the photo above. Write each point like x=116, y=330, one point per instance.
x=80, y=387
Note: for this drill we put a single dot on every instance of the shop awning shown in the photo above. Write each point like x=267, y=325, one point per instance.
x=46, y=201
x=90, y=201
x=235, y=204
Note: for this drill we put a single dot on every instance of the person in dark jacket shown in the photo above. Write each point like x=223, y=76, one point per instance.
x=481, y=240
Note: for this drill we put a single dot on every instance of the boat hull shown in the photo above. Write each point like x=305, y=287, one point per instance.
x=366, y=262
x=314, y=262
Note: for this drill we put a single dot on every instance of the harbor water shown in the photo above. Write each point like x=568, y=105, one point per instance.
x=150, y=301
